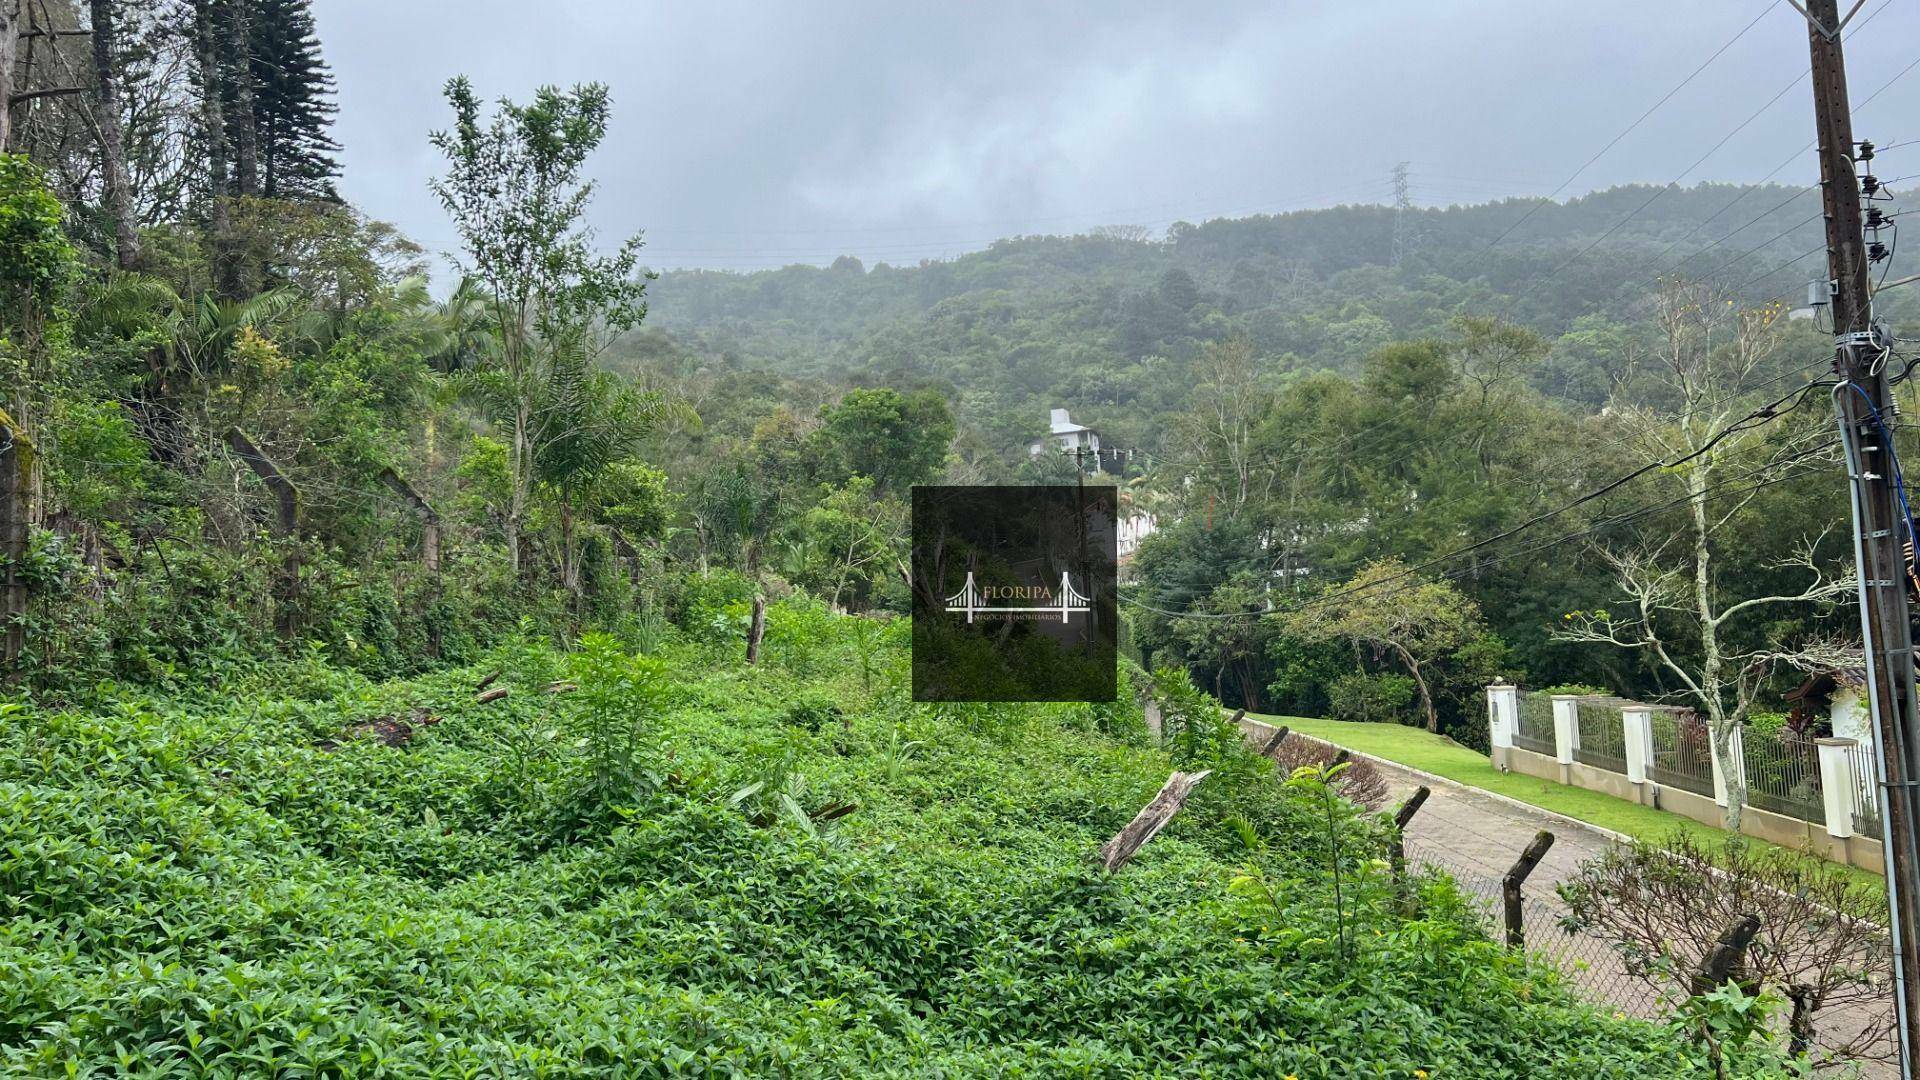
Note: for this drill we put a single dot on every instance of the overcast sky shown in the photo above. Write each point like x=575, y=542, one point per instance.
x=748, y=135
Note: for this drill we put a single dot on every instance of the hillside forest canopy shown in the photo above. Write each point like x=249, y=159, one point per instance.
x=277, y=474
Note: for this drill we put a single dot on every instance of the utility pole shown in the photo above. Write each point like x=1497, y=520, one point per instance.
x=1879, y=522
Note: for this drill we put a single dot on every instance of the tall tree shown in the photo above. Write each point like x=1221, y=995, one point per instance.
x=293, y=105
x=107, y=127
x=514, y=189
x=213, y=131
x=237, y=60
x=1679, y=608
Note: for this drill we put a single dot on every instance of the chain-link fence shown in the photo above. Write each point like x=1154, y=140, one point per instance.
x=1855, y=1038
x=1589, y=963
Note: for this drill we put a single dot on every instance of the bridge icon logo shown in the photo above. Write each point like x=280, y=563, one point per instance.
x=1065, y=603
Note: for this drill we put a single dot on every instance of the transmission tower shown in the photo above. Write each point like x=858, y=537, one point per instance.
x=1403, y=234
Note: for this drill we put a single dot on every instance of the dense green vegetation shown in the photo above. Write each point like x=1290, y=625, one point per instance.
x=643, y=876
x=283, y=497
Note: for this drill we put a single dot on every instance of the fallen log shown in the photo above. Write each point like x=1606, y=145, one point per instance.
x=1152, y=817
x=494, y=694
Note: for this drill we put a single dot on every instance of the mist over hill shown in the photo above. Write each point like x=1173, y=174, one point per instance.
x=1105, y=323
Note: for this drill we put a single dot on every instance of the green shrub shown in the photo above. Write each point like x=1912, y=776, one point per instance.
x=1372, y=698
x=572, y=884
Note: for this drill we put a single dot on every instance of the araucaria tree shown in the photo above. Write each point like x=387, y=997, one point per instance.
x=1678, y=612
x=514, y=189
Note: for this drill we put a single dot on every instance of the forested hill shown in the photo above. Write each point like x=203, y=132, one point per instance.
x=1104, y=322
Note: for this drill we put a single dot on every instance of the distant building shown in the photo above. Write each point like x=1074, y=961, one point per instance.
x=1066, y=436
x=1134, y=529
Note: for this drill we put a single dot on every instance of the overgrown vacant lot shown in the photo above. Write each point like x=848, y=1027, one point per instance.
x=659, y=873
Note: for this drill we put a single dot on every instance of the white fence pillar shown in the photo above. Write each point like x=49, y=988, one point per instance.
x=1503, y=714
x=1638, y=722
x=1837, y=784
x=1566, y=727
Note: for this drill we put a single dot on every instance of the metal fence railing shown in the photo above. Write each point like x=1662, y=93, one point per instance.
x=1534, y=729
x=1603, y=734
x=1682, y=753
x=1866, y=789
x=1783, y=774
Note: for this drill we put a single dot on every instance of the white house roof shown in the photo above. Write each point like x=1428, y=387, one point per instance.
x=1062, y=425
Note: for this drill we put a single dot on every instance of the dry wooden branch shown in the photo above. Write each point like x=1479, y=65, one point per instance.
x=1152, y=817
x=488, y=681
x=492, y=695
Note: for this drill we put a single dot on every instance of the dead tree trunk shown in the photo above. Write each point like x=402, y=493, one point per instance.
x=113, y=147
x=286, y=528
x=16, y=480
x=1727, y=961
x=1152, y=817
x=756, y=629
x=11, y=13
x=624, y=549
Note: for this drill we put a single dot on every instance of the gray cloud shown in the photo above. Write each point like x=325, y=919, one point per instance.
x=749, y=135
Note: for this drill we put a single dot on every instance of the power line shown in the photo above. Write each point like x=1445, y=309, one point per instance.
x=1764, y=414
x=1629, y=129
x=1716, y=491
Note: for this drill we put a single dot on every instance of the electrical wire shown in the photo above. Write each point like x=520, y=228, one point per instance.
x=1716, y=491
x=1762, y=415
x=1630, y=128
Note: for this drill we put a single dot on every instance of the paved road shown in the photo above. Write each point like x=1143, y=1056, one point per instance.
x=1475, y=837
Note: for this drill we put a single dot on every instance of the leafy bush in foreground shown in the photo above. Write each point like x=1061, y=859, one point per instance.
x=194, y=887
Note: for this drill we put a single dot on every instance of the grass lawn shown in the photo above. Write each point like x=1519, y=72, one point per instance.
x=1436, y=754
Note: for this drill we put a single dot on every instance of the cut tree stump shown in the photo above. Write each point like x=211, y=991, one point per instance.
x=1152, y=817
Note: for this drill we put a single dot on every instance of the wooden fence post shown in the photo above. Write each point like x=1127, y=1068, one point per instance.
x=1152, y=817
x=757, y=628
x=1510, y=887
x=286, y=526
x=16, y=482
x=1397, y=847
x=1274, y=742
x=1727, y=960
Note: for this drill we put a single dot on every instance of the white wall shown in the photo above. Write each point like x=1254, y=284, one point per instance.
x=1851, y=719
